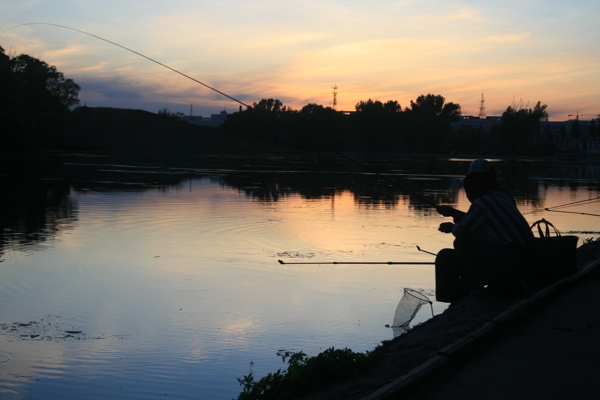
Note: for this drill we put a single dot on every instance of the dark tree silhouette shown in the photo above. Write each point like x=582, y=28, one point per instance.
x=35, y=102
x=434, y=107
x=520, y=125
x=430, y=118
x=375, y=124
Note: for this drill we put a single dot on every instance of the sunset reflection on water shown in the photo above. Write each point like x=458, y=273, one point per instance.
x=177, y=289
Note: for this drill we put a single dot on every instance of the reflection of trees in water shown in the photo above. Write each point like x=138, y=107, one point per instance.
x=270, y=179
x=369, y=190
x=435, y=179
x=36, y=199
x=529, y=182
x=272, y=187
x=34, y=207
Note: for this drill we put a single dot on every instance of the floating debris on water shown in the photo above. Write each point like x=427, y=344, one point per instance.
x=293, y=254
x=50, y=328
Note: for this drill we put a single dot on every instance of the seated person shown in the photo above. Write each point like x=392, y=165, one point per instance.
x=492, y=243
x=487, y=169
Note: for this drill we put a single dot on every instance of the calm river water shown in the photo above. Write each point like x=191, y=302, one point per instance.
x=125, y=281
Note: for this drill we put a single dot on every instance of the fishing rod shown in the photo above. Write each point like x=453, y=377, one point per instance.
x=572, y=212
x=577, y=203
x=566, y=205
x=369, y=262
x=360, y=262
x=424, y=251
x=274, y=119
x=134, y=52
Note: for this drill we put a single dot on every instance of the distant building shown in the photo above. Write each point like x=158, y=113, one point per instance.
x=472, y=121
x=214, y=120
x=561, y=133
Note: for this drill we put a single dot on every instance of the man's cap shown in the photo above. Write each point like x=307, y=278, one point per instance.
x=480, y=165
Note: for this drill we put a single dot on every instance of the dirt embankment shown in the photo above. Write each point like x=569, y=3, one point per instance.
x=461, y=326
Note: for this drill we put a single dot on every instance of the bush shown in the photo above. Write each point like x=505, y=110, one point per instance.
x=304, y=374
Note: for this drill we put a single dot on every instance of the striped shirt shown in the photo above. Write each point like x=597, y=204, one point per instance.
x=496, y=219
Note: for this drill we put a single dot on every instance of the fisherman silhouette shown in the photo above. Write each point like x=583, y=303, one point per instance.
x=492, y=244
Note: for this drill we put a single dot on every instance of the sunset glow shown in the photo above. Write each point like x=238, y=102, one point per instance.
x=514, y=52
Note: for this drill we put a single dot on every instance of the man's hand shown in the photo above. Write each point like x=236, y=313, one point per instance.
x=446, y=211
x=446, y=227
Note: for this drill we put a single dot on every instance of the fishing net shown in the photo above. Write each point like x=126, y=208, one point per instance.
x=407, y=308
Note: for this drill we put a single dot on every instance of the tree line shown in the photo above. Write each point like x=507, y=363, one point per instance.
x=424, y=126
x=373, y=126
x=36, y=103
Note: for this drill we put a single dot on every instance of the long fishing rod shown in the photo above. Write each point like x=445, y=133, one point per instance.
x=577, y=203
x=134, y=52
x=572, y=212
x=566, y=205
x=360, y=262
x=395, y=183
x=369, y=262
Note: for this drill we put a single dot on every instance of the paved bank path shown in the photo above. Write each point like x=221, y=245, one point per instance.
x=552, y=351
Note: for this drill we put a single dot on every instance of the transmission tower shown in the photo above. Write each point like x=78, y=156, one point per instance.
x=482, y=108
x=335, y=88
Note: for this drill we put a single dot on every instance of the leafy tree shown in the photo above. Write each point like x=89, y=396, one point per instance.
x=177, y=116
x=433, y=107
x=377, y=109
x=374, y=124
x=270, y=106
x=265, y=120
x=430, y=118
x=323, y=124
x=520, y=125
x=41, y=86
x=35, y=102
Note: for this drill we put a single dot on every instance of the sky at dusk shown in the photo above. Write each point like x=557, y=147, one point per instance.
x=514, y=52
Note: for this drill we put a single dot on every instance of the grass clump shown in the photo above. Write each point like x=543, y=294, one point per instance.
x=304, y=374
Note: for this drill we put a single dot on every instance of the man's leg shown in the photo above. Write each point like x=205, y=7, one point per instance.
x=450, y=281
x=492, y=265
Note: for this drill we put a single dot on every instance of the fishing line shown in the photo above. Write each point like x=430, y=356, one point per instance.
x=577, y=203
x=572, y=212
x=566, y=205
x=406, y=189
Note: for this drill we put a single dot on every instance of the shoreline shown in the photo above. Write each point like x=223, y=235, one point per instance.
x=583, y=158
x=412, y=358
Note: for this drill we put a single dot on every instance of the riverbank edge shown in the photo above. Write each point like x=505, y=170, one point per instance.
x=447, y=353
x=407, y=361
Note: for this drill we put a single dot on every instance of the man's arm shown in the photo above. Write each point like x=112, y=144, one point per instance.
x=448, y=211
